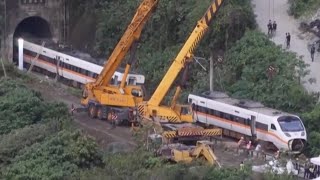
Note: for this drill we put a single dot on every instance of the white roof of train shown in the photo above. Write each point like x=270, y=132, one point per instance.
x=65, y=58
x=75, y=61
x=245, y=104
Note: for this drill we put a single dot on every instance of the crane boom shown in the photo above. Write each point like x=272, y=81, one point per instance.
x=102, y=98
x=132, y=33
x=185, y=53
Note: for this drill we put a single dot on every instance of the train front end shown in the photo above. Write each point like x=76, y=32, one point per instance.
x=293, y=132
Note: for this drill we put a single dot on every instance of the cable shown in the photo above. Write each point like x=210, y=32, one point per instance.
x=273, y=9
x=269, y=9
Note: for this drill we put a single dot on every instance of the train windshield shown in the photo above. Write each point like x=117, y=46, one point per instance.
x=290, y=123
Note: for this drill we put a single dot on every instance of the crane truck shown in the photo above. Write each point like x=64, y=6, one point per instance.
x=177, y=119
x=100, y=98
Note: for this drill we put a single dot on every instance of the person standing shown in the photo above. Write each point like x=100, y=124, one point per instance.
x=113, y=119
x=288, y=38
x=313, y=50
x=269, y=27
x=311, y=172
x=306, y=170
x=241, y=142
x=241, y=165
x=277, y=155
x=297, y=165
x=274, y=27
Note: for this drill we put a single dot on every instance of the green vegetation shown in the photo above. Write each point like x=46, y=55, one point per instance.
x=302, y=7
x=248, y=61
x=168, y=29
x=35, y=139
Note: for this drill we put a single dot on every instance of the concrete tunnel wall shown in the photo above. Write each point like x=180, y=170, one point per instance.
x=50, y=14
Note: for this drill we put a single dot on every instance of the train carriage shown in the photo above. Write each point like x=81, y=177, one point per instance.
x=69, y=67
x=240, y=117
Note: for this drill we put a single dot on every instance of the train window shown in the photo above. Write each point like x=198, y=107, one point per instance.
x=211, y=111
x=216, y=113
x=273, y=127
x=227, y=116
x=241, y=120
x=115, y=80
x=232, y=118
x=204, y=110
x=193, y=106
x=136, y=92
x=132, y=81
x=197, y=108
x=247, y=121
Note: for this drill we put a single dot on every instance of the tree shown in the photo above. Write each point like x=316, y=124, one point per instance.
x=257, y=69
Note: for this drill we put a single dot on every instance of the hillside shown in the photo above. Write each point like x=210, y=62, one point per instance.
x=40, y=139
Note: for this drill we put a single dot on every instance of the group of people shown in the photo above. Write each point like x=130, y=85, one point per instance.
x=248, y=145
x=272, y=27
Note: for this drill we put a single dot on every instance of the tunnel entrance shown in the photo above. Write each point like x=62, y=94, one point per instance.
x=33, y=27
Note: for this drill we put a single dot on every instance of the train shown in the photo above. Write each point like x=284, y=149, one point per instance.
x=249, y=119
x=70, y=69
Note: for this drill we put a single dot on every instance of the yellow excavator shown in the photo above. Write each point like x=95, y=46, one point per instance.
x=186, y=154
x=176, y=120
x=100, y=98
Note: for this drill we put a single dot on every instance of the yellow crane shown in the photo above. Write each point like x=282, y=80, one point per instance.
x=100, y=97
x=152, y=109
x=176, y=121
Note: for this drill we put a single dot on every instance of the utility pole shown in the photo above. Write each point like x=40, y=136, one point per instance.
x=211, y=72
x=5, y=30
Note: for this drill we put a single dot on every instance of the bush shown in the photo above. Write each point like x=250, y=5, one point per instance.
x=301, y=7
x=247, y=76
x=19, y=139
x=61, y=156
x=19, y=106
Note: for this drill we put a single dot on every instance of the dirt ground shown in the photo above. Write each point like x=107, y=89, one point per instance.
x=106, y=136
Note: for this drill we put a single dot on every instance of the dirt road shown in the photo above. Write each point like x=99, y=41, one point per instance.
x=105, y=135
x=300, y=42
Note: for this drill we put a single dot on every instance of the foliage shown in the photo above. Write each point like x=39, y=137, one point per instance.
x=272, y=176
x=311, y=121
x=167, y=30
x=125, y=166
x=35, y=142
x=301, y=7
x=58, y=157
x=247, y=76
x=19, y=139
x=18, y=106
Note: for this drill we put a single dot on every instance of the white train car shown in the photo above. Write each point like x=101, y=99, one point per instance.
x=69, y=67
x=247, y=118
